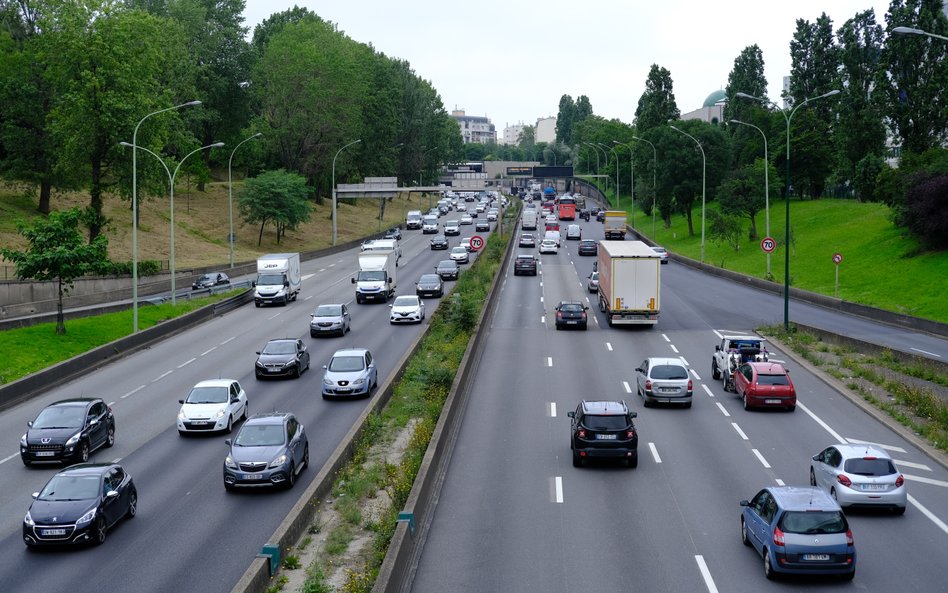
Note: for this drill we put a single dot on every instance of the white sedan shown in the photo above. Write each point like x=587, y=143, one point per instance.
x=459, y=254
x=407, y=309
x=213, y=405
x=548, y=246
x=467, y=219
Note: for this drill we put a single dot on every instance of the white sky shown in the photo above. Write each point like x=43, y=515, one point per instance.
x=512, y=60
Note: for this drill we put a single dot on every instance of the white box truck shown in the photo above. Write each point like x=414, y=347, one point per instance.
x=528, y=220
x=629, y=282
x=614, y=225
x=375, y=280
x=278, y=279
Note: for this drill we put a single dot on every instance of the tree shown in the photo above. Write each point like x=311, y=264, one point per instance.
x=57, y=252
x=742, y=194
x=657, y=104
x=564, y=119
x=926, y=212
x=275, y=197
x=747, y=77
x=724, y=228
x=681, y=171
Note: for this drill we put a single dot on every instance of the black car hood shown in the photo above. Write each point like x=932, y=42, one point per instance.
x=429, y=285
x=58, y=512
x=275, y=358
x=56, y=436
x=262, y=454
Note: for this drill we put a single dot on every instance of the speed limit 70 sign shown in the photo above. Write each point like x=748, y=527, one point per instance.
x=477, y=242
x=768, y=244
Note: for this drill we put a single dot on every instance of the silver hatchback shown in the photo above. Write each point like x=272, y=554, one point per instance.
x=859, y=476
x=664, y=380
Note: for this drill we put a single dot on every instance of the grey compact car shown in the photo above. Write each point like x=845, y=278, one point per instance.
x=664, y=380
x=282, y=357
x=269, y=450
x=330, y=319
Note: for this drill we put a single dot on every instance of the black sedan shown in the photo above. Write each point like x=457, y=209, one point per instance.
x=429, y=285
x=439, y=242
x=448, y=269
x=587, y=247
x=570, y=314
x=210, y=280
x=282, y=357
x=79, y=505
x=68, y=431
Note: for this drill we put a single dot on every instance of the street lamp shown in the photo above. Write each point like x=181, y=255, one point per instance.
x=597, y=156
x=766, y=185
x=704, y=168
x=654, y=187
x=334, y=187
x=786, y=261
x=135, y=208
x=631, y=178
x=914, y=31
x=230, y=195
x=605, y=156
x=616, y=152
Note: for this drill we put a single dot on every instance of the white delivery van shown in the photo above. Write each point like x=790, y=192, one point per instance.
x=413, y=220
x=278, y=279
x=375, y=279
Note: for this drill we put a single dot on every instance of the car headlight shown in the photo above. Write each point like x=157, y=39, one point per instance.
x=259, y=363
x=23, y=440
x=328, y=382
x=358, y=382
x=229, y=462
x=279, y=461
x=73, y=439
x=28, y=519
x=89, y=516
x=182, y=416
x=219, y=413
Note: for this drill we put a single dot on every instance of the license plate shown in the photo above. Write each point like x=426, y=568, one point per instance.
x=343, y=390
x=570, y=323
x=817, y=557
x=872, y=487
x=771, y=401
x=605, y=437
x=45, y=453
x=54, y=532
x=199, y=422
x=273, y=370
x=668, y=390
x=251, y=477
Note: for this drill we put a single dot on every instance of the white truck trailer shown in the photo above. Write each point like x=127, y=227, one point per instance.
x=376, y=279
x=629, y=282
x=278, y=279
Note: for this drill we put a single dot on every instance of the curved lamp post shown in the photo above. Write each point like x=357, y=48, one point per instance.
x=654, y=187
x=786, y=252
x=631, y=178
x=134, y=146
x=230, y=196
x=704, y=169
x=613, y=150
x=334, y=187
x=914, y=31
x=766, y=184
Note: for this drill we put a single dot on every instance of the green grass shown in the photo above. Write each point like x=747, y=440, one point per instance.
x=47, y=348
x=882, y=266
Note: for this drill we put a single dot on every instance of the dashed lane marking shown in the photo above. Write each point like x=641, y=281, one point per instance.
x=886, y=447
x=723, y=410
x=761, y=458
x=707, y=390
x=666, y=338
x=705, y=574
x=675, y=350
x=162, y=376
x=186, y=363
x=558, y=489
x=941, y=483
x=608, y=346
x=227, y=340
x=628, y=388
x=552, y=409
x=780, y=482
x=549, y=361
x=273, y=316
x=697, y=378
x=739, y=431
x=209, y=350
x=901, y=463
x=654, y=451
x=133, y=391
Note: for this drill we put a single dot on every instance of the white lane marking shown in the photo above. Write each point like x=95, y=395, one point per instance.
x=541, y=299
x=928, y=513
x=580, y=284
x=880, y=445
x=835, y=435
x=925, y=352
x=209, y=350
x=322, y=269
x=685, y=362
x=761, y=458
x=608, y=346
x=162, y=376
x=133, y=391
x=541, y=284
x=309, y=297
x=697, y=378
x=707, y=390
x=549, y=361
x=666, y=338
x=543, y=319
x=588, y=301
x=186, y=363
x=941, y=483
x=705, y=574
x=558, y=486
x=780, y=482
x=628, y=389
x=552, y=409
x=272, y=316
x=307, y=276
x=228, y=340
x=6, y=459
x=739, y=431
x=675, y=350
x=723, y=411
x=901, y=463
x=331, y=265
x=116, y=460
x=654, y=451
x=718, y=334
x=110, y=404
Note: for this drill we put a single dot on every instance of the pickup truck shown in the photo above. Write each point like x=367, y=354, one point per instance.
x=733, y=351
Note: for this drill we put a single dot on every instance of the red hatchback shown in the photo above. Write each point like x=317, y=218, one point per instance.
x=765, y=384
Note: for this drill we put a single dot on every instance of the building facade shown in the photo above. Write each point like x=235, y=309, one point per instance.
x=712, y=111
x=512, y=134
x=546, y=130
x=474, y=128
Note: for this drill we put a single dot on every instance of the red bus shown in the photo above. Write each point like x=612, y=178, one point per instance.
x=567, y=209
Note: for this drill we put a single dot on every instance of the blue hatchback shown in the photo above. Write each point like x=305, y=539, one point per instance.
x=799, y=530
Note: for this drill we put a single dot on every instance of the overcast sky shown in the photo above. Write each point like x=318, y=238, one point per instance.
x=512, y=60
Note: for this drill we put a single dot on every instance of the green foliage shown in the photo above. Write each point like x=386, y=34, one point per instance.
x=291, y=562
x=926, y=210
x=724, y=228
x=657, y=104
x=275, y=197
x=564, y=119
x=747, y=77
x=741, y=194
x=358, y=581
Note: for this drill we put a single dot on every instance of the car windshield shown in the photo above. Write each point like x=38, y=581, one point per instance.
x=207, y=395
x=869, y=467
x=447, y=265
x=346, y=364
x=772, y=379
x=378, y=276
x=525, y=258
x=571, y=307
x=270, y=280
x=595, y=276
x=61, y=417
x=406, y=301
x=281, y=347
x=607, y=422
x=668, y=371
x=429, y=279
x=206, y=278
x=328, y=311
x=260, y=435
x=813, y=522
x=66, y=487
x=459, y=250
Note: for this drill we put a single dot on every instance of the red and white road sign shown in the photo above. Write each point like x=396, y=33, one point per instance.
x=837, y=258
x=477, y=242
x=768, y=244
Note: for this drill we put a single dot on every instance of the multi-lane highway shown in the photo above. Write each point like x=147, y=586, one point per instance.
x=189, y=534
x=514, y=515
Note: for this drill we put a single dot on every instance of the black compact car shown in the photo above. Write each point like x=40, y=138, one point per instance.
x=570, y=315
x=79, y=504
x=439, y=242
x=527, y=240
x=448, y=269
x=393, y=233
x=584, y=214
x=482, y=226
x=269, y=450
x=210, y=280
x=587, y=247
x=282, y=357
x=429, y=285
x=601, y=216
x=525, y=264
x=603, y=429
x=68, y=431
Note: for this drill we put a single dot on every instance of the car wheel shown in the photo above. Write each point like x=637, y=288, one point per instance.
x=577, y=460
x=833, y=494
x=228, y=487
x=744, y=539
x=246, y=411
x=768, y=569
x=899, y=510
x=183, y=434
x=99, y=531
x=230, y=424
x=744, y=399
x=848, y=576
x=132, y=504
x=26, y=462
x=791, y=408
x=632, y=462
x=110, y=437
x=715, y=372
x=306, y=456
x=312, y=334
x=687, y=404
x=812, y=478
x=83, y=454
x=291, y=477
x=297, y=372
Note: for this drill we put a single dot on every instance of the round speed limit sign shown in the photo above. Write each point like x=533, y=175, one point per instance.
x=837, y=258
x=476, y=242
x=768, y=244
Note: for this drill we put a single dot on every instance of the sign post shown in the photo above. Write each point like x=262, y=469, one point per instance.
x=767, y=244
x=837, y=259
x=477, y=242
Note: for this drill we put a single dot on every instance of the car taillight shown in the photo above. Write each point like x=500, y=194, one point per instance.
x=559, y=314
x=629, y=434
x=584, y=315
x=581, y=433
x=869, y=458
x=849, y=538
x=899, y=481
x=648, y=385
x=690, y=385
x=778, y=537
x=844, y=480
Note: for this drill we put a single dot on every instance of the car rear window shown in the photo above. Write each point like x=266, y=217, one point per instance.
x=812, y=522
x=869, y=467
x=606, y=422
x=573, y=307
x=669, y=371
x=772, y=379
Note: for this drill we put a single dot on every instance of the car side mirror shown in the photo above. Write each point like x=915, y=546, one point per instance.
x=35, y=495
x=353, y=280
x=744, y=503
x=638, y=370
x=634, y=415
x=111, y=494
x=815, y=457
x=258, y=352
x=571, y=414
x=390, y=306
x=234, y=399
x=717, y=347
x=325, y=367
x=29, y=424
x=94, y=422
x=253, y=283
x=180, y=401
x=228, y=442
